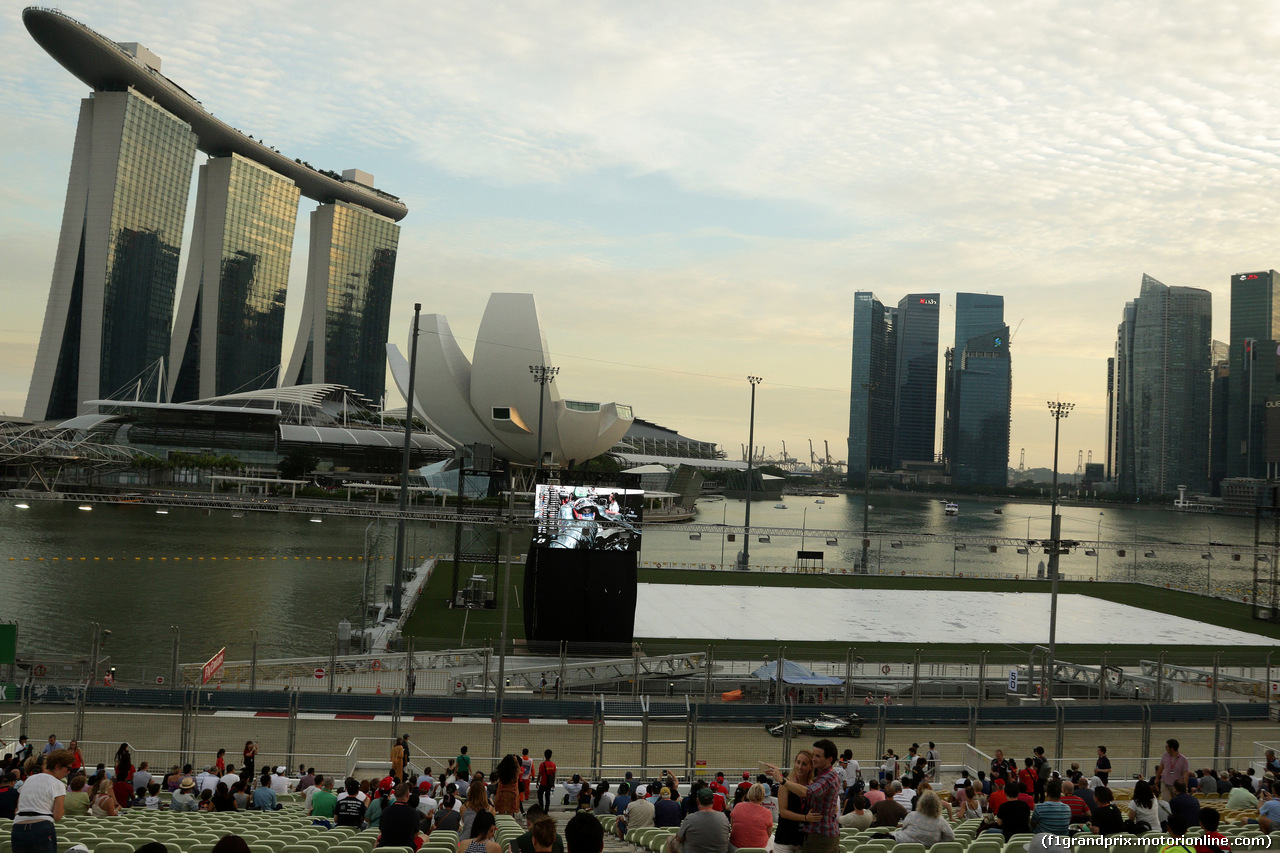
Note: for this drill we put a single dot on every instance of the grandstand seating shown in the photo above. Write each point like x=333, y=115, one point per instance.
x=968, y=839
x=290, y=831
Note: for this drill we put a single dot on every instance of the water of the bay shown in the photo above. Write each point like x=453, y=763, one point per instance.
x=218, y=577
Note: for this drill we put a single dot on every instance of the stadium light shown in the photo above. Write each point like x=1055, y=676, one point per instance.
x=744, y=556
x=544, y=375
x=1057, y=410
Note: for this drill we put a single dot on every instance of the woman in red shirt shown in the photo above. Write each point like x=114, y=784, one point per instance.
x=751, y=820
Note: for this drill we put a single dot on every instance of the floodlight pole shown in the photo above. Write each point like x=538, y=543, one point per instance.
x=544, y=375
x=866, y=480
x=744, y=558
x=1058, y=411
x=397, y=578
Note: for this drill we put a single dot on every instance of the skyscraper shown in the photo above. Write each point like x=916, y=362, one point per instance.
x=1255, y=328
x=111, y=303
x=873, y=386
x=978, y=393
x=230, y=321
x=111, y=299
x=1164, y=410
x=347, y=306
x=1122, y=464
x=916, y=397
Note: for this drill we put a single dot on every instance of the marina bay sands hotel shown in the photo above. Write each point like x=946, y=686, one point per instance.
x=111, y=319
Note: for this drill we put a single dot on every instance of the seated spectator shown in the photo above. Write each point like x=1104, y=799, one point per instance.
x=972, y=806
x=1106, y=819
x=1185, y=805
x=350, y=810
x=206, y=801
x=122, y=792
x=584, y=834
x=1241, y=796
x=903, y=794
x=667, y=811
x=1079, y=809
x=1209, y=819
x=750, y=822
x=857, y=813
x=103, y=801
x=183, y=799
x=525, y=842
x=873, y=794
x=483, y=830
x=152, y=801
x=619, y=807
x=889, y=811
x=704, y=831
x=602, y=800
x=1142, y=807
x=264, y=798
x=1014, y=815
x=75, y=803
x=925, y=825
x=640, y=813
x=1052, y=817
x=1268, y=810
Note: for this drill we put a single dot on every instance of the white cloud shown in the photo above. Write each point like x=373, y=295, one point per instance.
x=1048, y=151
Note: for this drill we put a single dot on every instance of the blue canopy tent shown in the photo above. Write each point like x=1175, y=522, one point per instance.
x=794, y=673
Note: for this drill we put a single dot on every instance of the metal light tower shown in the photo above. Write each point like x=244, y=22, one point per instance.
x=544, y=375
x=397, y=576
x=1058, y=411
x=866, y=480
x=745, y=554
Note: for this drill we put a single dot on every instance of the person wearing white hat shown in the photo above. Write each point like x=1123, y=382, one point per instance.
x=280, y=781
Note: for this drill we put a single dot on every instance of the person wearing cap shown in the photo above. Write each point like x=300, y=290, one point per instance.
x=718, y=785
x=24, y=750
x=183, y=799
x=704, y=831
x=666, y=809
x=640, y=813
x=280, y=781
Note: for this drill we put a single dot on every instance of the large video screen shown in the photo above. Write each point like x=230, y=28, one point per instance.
x=588, y=518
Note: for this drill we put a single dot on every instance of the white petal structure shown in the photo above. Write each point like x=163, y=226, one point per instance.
x=493, y=399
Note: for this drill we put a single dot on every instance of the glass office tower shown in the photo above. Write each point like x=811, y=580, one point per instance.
x=983, y=386
x=346, y=311
x=107, y=323
x=916, y=398
x=229, y=328
x=977, y=399
x=872, y=386
x=1255, y=328
x=978, y=316
x=1165, y=406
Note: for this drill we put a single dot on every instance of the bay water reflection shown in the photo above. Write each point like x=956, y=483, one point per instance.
x=218, y=577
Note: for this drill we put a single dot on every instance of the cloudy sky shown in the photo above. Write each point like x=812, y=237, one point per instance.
x=694, y=192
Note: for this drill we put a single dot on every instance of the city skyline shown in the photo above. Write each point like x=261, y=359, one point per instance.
x=733, y=184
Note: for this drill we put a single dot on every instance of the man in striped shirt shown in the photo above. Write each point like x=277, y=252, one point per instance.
x=1051, y=817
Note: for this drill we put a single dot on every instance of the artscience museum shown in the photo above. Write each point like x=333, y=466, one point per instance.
x=492, y=398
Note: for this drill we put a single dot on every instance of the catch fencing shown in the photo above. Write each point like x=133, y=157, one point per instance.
x=604, y=737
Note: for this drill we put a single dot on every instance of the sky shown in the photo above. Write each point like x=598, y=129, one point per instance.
x=694, y=192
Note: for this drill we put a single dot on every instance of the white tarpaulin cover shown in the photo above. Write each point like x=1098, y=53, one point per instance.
x=908, y=616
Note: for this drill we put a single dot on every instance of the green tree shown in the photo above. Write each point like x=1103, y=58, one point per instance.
x=297, y=464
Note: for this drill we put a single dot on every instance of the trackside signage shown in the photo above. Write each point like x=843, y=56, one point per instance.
x=213, y=665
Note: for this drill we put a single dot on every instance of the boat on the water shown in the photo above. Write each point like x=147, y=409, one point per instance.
x=950, y=508
x=779, y=506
